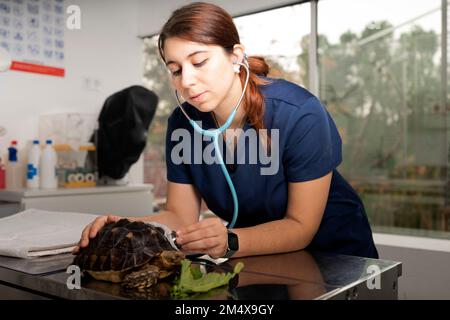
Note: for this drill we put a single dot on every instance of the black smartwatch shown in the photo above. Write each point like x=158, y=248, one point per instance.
x=233, y=244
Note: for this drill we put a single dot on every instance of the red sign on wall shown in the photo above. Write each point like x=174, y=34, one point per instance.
x=37, y=68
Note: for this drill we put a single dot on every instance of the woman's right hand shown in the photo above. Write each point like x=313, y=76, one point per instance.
x=90, y=231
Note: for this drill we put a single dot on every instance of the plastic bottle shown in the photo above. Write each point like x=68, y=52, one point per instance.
x=2, y=175
x=48, y=178
x=14, y=172
x=33, y=166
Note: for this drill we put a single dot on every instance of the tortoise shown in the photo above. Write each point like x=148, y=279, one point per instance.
x=133, y=253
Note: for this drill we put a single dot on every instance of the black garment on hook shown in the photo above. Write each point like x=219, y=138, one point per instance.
x=123, y=127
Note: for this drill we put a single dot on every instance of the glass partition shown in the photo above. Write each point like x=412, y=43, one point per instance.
x=380, y=77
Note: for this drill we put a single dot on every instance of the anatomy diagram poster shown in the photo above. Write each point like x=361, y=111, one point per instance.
x=32, y=31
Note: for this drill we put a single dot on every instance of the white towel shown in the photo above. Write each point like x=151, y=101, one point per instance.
x=33, y=232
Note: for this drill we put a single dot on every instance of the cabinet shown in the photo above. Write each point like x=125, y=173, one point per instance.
x=130, y=200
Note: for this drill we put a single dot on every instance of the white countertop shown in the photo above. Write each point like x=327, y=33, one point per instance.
x=17, y=195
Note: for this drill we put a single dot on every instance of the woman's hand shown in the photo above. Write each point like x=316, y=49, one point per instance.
x=208, y=236
x=90, y=231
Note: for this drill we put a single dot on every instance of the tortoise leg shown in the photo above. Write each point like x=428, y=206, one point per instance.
x=142, y=278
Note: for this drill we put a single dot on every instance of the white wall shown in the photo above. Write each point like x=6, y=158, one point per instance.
x=425, y=265
x=106, y=49
x=425, y=272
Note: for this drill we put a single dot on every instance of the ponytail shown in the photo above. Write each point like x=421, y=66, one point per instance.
x=254, y=100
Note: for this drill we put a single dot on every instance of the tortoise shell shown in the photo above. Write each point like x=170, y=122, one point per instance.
x=122, y=246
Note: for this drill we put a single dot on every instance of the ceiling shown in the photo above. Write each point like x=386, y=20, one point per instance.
x=153, y=13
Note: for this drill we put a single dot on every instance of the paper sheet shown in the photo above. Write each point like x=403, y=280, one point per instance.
x=33, y=233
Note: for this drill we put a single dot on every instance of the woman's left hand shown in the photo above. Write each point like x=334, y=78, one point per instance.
x=208, y=236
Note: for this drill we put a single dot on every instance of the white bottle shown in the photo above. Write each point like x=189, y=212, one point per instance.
x=14, y=170
x=48, y=177
x=33, y=166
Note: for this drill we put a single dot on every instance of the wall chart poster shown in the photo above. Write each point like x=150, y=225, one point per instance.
x=33, y=33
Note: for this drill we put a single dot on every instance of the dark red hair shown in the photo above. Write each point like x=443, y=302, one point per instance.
x=209, y=24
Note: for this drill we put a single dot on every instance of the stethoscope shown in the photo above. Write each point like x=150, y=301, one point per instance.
x=214, y=134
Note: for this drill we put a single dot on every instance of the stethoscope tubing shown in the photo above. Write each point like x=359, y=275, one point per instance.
x=214, y=134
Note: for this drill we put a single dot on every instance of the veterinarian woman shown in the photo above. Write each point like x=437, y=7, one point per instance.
x=298, y=201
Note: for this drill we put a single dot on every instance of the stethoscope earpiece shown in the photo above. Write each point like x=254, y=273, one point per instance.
x=237, y=65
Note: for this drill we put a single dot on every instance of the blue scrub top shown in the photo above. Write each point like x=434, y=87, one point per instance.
x=309, y=148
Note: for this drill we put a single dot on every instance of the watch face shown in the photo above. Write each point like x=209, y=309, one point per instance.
x=233, y=243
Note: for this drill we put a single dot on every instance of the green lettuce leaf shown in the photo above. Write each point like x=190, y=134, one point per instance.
x=192, y=280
